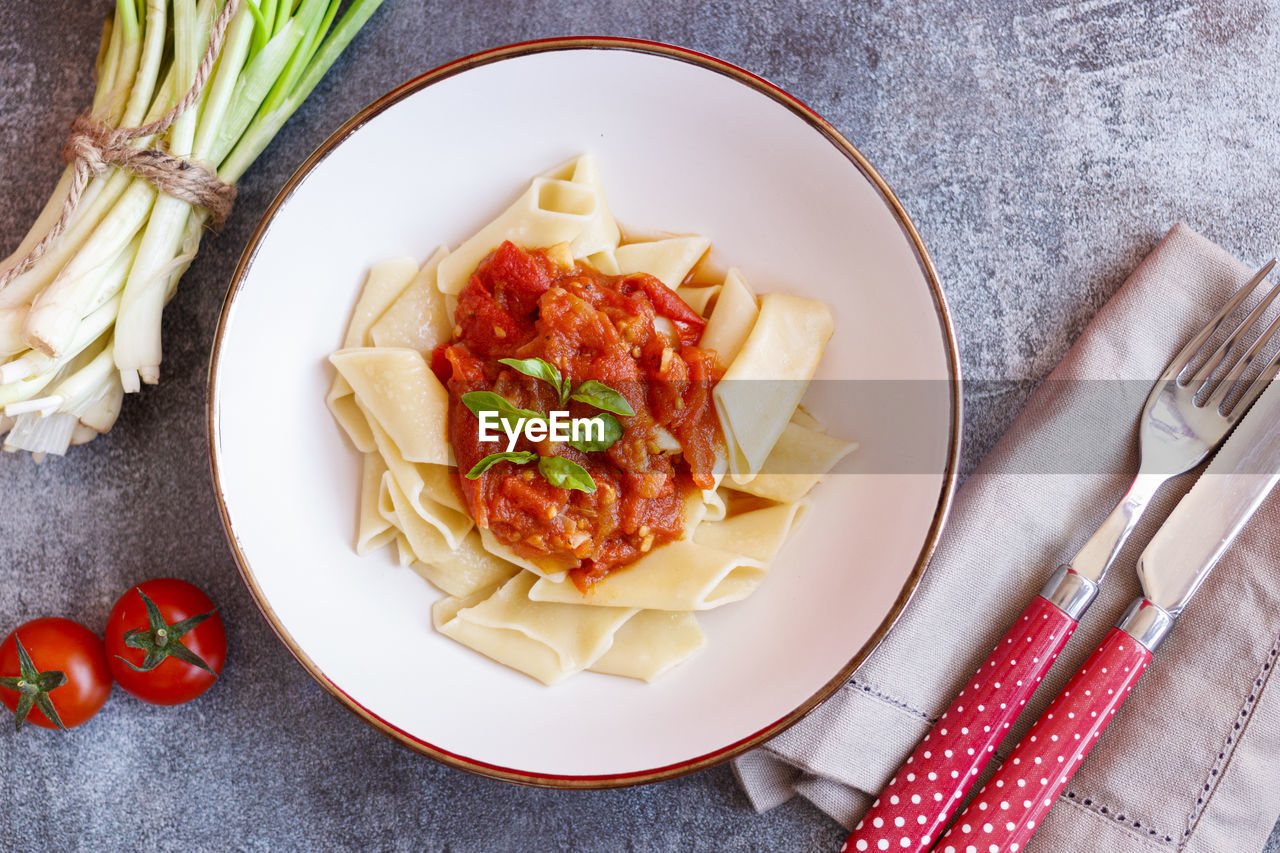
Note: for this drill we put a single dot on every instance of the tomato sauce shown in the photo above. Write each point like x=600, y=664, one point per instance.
x=526, y=304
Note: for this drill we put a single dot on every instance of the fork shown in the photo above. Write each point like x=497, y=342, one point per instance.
x=1181, y=423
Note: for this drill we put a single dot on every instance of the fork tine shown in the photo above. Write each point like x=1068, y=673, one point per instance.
x=1258, y=384
x=1204, y=373
x=1224, y=387
x=1183, y=359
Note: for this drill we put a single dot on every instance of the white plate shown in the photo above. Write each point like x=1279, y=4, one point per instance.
x=685, y=143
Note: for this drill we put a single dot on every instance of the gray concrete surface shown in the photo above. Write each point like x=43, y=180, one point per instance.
x=1042, y=150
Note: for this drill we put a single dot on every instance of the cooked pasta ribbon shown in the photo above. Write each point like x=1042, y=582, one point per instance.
x=699, y=297
x=567, y=208
x=467, y=569
x=397, y=389
x=373, y=530
x=797, y=463
x=601, y=233
x=382, y=286
x=418, y=318
x=732, y=320
x=682, y=575
x=651, y=643
x=758, y=534
x=427, y=489
x=545, y=640
x=769, y=376
x=669, y=260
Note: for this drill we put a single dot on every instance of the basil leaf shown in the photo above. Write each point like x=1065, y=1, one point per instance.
x=566, y=474
x=611, y=430
x=601, y=396
x=539, y=369
x=489, y=401
x=520, y=457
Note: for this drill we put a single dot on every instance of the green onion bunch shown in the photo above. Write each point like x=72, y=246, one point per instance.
x=81, y=326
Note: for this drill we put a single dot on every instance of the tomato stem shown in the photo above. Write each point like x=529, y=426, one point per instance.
x=161, y=640
x=34, y=688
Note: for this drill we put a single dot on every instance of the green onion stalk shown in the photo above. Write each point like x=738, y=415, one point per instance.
x=80, y=327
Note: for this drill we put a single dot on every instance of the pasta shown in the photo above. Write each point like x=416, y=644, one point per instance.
x=732, y=320
x=768, y=377
x=373, y=531
x=383, y=284
x=650, y=643
x=522, y=595
x=418, y=318
x=684, y=575
x=548, y=641
x=668, y=260
x=397, y=390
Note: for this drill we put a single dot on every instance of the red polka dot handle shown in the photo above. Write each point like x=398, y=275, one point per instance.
x=1007, y=810
x=916, y=804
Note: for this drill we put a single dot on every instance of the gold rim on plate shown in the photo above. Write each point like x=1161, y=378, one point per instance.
x=815, y=121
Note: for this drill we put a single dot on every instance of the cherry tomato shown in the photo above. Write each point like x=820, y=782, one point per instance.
x=65, y=667
x=165, y=641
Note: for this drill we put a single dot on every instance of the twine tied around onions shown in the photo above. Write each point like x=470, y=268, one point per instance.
x=94, y=147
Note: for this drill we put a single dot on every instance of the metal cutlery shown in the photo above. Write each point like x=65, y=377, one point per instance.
x=1173, y=567
x=1176, y=434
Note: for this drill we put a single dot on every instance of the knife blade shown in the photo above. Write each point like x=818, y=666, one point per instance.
x=1204, y=523
x=1172, y=568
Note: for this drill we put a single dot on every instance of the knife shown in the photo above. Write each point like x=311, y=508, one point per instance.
x=1174, y=565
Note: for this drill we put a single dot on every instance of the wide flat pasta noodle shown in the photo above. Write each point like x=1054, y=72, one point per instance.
x=698, y=298
x=397, y=390
x=695, y=512
x=418, y=319
x=798, y=462
x=681, y=575
x=373, y=530
x=714, y=503
x=732, y=320
x=548, y=641
x=404, y=552
x=651, y=643
x=467, y=569
x=695, y=509
x=669, y=260
x=767, y=379
x=446, y=608
x=712, y=498
x=386, y=507
x=438, y=484
x=341, y=401
x=427, y=491
x=551, y=211
x=605, y=262
x=758, y=534
x=601, y=234
x=802, y=417
x=383, y=285
x=431, y=538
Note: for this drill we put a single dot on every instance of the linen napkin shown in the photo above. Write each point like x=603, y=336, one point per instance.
x=1192, y=761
